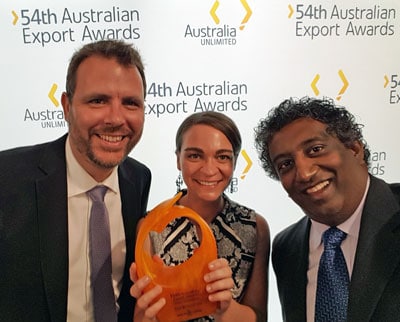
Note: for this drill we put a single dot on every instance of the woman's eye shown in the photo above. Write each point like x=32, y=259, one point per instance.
x=225, y=157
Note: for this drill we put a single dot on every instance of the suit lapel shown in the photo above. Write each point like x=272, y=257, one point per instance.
x=290, y=260
x=51, y=191
x=301, y=266
x=132, y=209
x=378, y=251
x=133, y=204
x=129, y=206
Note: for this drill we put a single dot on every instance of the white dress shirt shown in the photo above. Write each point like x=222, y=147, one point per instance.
x=352, y=227
x=80, y=307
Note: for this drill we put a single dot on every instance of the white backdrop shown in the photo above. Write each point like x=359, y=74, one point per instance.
x=240, y=57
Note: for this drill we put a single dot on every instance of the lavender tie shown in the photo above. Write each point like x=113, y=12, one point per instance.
x=100, y=258
x=333, y=280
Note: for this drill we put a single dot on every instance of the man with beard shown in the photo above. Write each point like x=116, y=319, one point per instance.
x=45, y=207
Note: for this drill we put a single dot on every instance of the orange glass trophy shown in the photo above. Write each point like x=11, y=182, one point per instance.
x=183, y=286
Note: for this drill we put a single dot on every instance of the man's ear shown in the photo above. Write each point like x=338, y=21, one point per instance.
x=358, y=149
x=66, y=105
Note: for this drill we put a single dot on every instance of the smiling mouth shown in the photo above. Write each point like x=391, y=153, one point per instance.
x=318, y=187
x=111, y=138
x=207, y=183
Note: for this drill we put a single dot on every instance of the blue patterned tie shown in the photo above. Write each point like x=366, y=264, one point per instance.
x=100, y=258
x=333, y=280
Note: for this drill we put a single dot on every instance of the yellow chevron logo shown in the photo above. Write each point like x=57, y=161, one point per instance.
x=15, y=17
x=314, y=85
x=248, y=13
x=291, y=11
x=345, y=84
x=213, y=12
x=386, y=81
x=249, y=164
x=51, y=95
x=215, y=6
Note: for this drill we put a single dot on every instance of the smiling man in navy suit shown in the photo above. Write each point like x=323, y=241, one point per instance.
x=44, y=208
x=318, y=153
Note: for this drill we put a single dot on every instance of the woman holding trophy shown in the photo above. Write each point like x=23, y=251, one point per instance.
x=207, y=148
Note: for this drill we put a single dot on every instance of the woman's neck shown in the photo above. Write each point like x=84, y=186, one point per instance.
x=206, y=209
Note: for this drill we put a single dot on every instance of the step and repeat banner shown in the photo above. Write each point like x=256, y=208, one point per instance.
x=239, y=57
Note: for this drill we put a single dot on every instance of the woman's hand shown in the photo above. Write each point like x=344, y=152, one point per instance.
x=219, y=284
x=145, y=309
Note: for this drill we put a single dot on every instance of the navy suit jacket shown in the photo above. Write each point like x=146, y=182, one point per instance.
x=375, y=282
x=34, y=231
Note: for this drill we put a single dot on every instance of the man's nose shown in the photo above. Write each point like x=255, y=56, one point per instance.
x=305, y=169
x=114, y=113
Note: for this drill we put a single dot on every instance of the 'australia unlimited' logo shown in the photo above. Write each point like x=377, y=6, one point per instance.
x=218, y=35
x=48, y=117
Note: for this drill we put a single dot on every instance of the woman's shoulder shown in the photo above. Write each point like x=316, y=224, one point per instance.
x=238, y=208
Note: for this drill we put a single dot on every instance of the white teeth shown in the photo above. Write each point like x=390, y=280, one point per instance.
x=318, y=187
x=110, y=138
x=207, y=183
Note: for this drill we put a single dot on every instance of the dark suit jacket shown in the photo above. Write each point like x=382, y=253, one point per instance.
x=375, y=283
x=34, y=231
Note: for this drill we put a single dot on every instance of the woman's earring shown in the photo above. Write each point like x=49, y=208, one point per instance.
x=179, y=182
x=233, y=185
